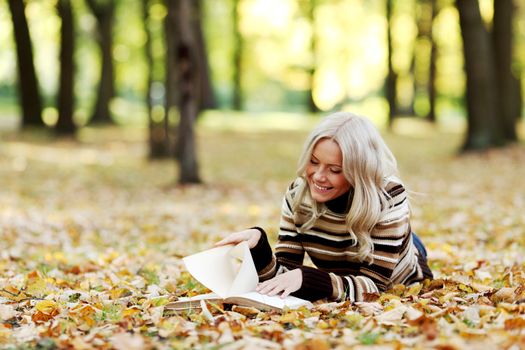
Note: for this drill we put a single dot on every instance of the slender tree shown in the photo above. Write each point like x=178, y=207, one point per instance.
x=157, y=132
x=238, y=45
x=432, y=89
x=483, y=128
x=310, y=14
x=506, y=86
x=170, y=84
x=65, y=124
x=391, y=78
x=27, y=78
x=189, y=89
x=207, y=96
x=424, y=71
x=104, y=12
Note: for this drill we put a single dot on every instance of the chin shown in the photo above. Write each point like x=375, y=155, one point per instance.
x=319, y=198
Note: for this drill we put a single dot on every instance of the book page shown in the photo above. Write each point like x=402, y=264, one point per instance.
x=290, y=302
x=224, y=270
x=208, y=296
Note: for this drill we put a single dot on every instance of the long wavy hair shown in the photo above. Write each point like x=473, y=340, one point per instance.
x=367, y=162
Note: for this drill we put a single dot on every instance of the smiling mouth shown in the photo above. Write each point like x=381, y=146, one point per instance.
x=321, y=188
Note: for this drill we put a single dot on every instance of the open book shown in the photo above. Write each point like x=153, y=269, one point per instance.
x=229, y=272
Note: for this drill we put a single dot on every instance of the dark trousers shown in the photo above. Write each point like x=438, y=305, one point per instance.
x=419, y=245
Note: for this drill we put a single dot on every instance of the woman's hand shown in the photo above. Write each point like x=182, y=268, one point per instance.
x=286, y=283
x=251, y=236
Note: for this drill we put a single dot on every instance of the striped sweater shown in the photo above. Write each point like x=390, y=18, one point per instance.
x=338, y=276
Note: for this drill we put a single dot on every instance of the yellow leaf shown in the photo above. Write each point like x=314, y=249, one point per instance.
x=12, y=293
x=130, y=312
x=288, y=317
x=414, y=290
x=322, y=325
x=37, y=287
x=47, y=307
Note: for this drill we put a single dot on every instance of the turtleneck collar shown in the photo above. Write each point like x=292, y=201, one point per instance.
x=341, y=204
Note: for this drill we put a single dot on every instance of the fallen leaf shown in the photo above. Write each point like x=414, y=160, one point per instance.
x=127, y=341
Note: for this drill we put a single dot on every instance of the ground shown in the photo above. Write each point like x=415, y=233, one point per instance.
x=92, y=236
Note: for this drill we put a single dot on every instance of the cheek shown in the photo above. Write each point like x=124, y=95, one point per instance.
x=341, y=182
x=309, y=171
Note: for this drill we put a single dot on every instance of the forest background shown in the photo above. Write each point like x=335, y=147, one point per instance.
x=99, y=99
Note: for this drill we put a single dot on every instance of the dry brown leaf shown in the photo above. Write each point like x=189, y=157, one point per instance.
x=505, y=294
x=127, y=341
x=515, y=323
x=314, y=344
x=393, y=316
x=247, y=311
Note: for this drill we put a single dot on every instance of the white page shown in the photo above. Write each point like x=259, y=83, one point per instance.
x=247, y=278
x=290, y=301
x=224, y=269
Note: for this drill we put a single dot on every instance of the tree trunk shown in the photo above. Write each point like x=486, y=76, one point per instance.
x=425, y=71
x=27, y=79
x=502, y=41
x=66, y=99
x=238, y=44
x=156, y=130
x=432, y=90
x=171, y=93
x=391, y=79
x=104, y=14
x=187, y=52
x=207, y=99
x=312, y=106
x=483, y=131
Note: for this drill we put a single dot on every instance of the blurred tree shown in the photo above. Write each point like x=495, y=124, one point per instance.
x=189, y=87
x=493, y=93
x=171, y=94
x=391, y=78
x=237, y=99
x=158, y=133
x=27, y=79
x=508, y=104
x=309, y=9
x=484, y=129
x=424, y=60
x=104, y=11
x=65, y=124
x=432, y=90
x=207, y=99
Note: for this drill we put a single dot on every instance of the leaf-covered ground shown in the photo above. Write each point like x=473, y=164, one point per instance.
x=91, y=236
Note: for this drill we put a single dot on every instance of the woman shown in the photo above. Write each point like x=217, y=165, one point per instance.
x=348, y=210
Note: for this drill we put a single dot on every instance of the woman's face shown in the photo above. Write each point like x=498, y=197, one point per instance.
x=325, y=172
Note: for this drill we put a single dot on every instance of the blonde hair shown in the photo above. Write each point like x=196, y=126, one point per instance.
x=367, y=162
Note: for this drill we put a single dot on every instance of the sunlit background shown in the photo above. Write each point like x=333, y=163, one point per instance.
x=350, y=57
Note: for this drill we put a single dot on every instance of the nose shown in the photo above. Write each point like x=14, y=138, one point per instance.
x=320, y=174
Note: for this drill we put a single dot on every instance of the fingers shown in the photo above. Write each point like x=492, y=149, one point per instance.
x=224, y=241
x=271, y=287
x=250, y=236
x=285, y=283
x=287, y=292
x=234, y=238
